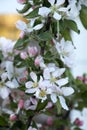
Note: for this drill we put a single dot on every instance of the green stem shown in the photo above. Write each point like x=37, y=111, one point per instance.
x=58, y=30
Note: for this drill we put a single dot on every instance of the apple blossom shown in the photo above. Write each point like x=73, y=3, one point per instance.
x=55, y=9
x=66, y=51
x=28, y=28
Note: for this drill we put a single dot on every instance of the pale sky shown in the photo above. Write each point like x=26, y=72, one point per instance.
x=9, y=6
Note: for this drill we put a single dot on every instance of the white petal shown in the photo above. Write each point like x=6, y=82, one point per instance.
x=60, y=2
x=9, y=69
x=31, y=23
x=54, y=98
x=29, y=84
x=21, y=25
x=31, y=90
x=46, y=74
x=62, y=9
x=4, y=92
x=37, y=27
x=33, y=76
x=55, y=74
x=56, y=16
x=67, y=91
x=63, y=103
x=61, y=71
x=62, y=81
x=51, y=2
x=11, y=84
x=44, y=11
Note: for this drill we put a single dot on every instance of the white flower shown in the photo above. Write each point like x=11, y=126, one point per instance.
x=56, y=9
x=58, y=92
x=74, y=10
x=21, y=25
x=32, y=86
x=6, y=46
x=30, y=104
x=43, y=91
x=81, y=115
x=4, y=91
x=66, y=52
x=52, y=73
x=31, y=128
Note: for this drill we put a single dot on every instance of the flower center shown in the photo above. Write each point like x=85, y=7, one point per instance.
x=35, y=84
x=54, y=8
x=1, y=84
x=42, y=93
x=53, y=79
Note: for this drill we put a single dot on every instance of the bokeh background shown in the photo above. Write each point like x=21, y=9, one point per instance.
x=9, y=16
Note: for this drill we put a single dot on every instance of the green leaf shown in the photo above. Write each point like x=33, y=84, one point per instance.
x=83, y=16
x=66, y=35
x=41, y=105
x=21, y=43
x=45, y=36
x=25, y=9
x=3, y=122
x=72, y=25
x=32, y=14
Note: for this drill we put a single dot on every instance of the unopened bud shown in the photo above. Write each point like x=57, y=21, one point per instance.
x=13, y=117
x=23, y=55
x=22, y=34
x=49, y=121
x=21, y=104
x=32, y=50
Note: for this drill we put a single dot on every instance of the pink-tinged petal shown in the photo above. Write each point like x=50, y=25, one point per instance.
x=44, y=11
x=56, y=16
x=51, y=2
x=67, y=91
x=33, y=76
x=60, y=2
x=37, y=27
x=46, y=74
x=4, y=92
x=63, y=103
x=54, y=98
x=29, y=84
x=62, y=81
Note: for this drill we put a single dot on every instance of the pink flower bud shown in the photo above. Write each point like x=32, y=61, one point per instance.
x=23, y=55
x=13, y=117
x=37, y=61
x=21, y=104
x=49, y=121
x=33, y=51
x=21, y=1
x=22, y=34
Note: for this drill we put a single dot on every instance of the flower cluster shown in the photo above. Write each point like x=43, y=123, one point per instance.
x=34, y=70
